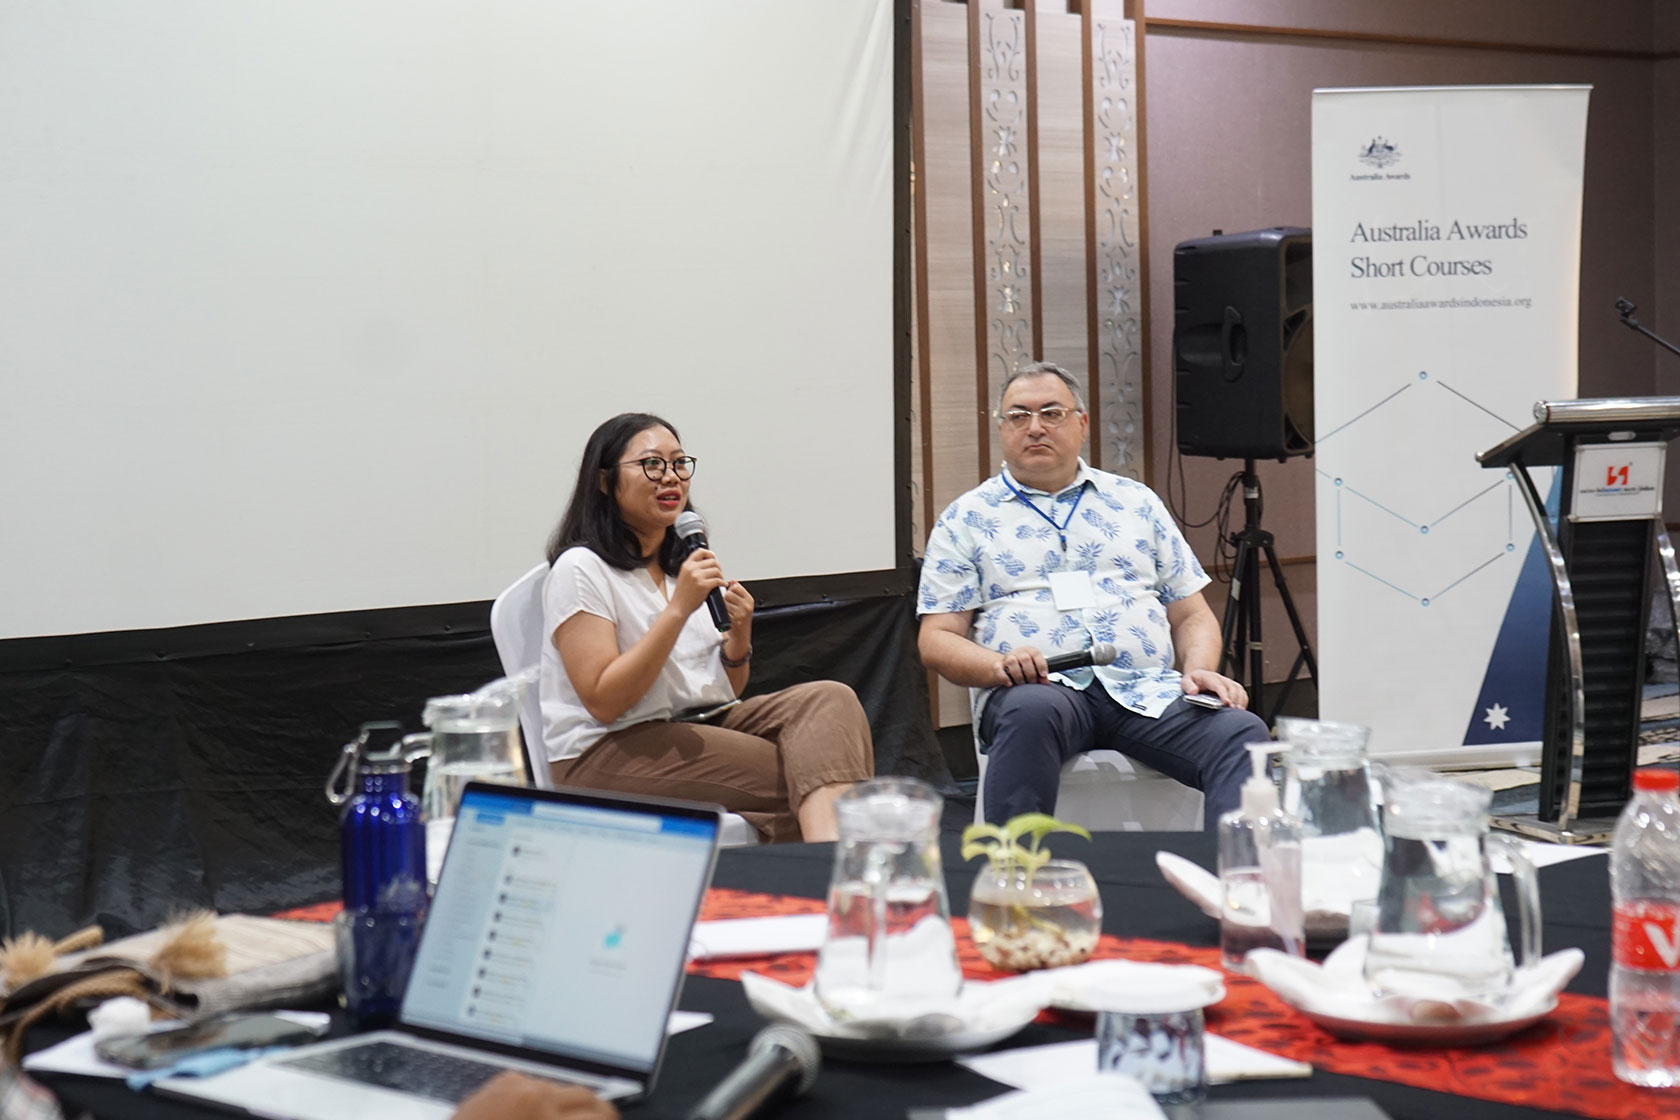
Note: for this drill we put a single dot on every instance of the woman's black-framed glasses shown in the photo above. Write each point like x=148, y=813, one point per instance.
x=654, y=467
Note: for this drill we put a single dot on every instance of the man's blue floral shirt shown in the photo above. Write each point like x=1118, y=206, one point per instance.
x=991, y=553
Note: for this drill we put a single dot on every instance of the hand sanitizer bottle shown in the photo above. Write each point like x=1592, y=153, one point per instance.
x=1259, y=872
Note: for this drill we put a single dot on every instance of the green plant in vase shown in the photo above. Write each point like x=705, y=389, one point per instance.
x=1026, y=909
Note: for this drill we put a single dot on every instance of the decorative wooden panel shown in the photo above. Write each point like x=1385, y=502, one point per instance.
x=1003, y=272
x=947, y=184
x=1116, y=305
x=944, y=180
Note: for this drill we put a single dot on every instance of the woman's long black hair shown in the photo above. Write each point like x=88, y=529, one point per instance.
x=592, y=518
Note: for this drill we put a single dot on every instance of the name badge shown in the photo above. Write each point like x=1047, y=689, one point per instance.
x=1073, y=590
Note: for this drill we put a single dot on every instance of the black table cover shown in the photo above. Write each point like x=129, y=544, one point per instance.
x=1136, y=903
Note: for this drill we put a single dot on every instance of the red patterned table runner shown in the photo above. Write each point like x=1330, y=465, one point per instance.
x=317, y=912
x=1560, y=1064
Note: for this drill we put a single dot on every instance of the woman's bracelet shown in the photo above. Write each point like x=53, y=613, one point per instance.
x=730, y=662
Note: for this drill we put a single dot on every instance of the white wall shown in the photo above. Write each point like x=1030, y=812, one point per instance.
x=310, y=306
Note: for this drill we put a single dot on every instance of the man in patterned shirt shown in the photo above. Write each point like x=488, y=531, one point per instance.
x=1049, y=557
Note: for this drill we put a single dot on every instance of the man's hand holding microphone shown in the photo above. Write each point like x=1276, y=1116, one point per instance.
x=1026, y=665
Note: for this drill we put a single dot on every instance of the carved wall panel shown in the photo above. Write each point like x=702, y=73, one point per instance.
x=1117, y=301
x=1003, y=273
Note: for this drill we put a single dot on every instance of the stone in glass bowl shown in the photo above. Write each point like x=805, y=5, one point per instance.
x=1046, y=920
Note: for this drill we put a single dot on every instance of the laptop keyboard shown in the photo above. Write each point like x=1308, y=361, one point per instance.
x=407, y=1069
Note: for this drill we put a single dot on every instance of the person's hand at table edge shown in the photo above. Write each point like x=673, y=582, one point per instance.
x=514, y=1096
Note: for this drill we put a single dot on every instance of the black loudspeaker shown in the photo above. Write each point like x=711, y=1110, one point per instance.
x=1243, y=344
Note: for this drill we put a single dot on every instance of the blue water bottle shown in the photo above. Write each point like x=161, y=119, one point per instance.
x=384, y=863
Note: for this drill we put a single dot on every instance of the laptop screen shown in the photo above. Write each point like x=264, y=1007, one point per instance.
x=561, y=923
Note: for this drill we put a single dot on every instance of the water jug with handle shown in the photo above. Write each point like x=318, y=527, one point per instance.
x=1328, y=787
x=889, y=953
x=1440, y=930
x=472, y=737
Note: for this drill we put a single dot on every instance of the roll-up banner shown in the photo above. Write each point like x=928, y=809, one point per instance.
x=1446, y=267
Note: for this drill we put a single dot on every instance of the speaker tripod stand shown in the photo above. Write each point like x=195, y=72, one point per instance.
x=1240, y=631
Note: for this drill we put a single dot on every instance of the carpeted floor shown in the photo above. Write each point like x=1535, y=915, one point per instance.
x=1514, y=791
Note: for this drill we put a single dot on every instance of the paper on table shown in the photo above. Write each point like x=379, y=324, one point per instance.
x=76, y=1054
x=681, y=1021
x=1028, y=1067
x=1229, y=1061
x=757, y=937
x=1545, y=855
x=1109, y=1095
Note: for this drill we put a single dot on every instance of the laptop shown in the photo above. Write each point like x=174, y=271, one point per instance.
x=555, y=945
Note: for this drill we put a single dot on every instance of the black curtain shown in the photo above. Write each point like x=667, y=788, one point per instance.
x=139, y=788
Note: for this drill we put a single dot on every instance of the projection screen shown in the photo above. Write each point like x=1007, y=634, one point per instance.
x=309, y=307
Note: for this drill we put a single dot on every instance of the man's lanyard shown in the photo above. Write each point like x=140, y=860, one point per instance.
x=1061, y=530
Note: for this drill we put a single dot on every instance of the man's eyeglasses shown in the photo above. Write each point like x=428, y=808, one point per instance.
x=1052, y=415
x=654, y=467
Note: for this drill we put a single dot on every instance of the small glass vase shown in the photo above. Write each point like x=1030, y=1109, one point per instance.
x=1048, y=920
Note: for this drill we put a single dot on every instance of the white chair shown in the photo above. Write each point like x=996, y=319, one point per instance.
x=1107, y=792
x=516, y=625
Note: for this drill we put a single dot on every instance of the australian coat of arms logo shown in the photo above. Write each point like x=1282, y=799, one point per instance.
x=1379, y=153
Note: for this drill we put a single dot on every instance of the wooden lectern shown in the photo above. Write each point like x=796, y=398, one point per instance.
x=1609, y=526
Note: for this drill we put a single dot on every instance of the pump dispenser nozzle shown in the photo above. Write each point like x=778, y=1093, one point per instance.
x=1259, y=795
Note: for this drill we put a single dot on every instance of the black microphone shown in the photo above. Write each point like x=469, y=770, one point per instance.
x=691, y=527
x=1102, y=653
x=781, y=1063
x=1625, y=308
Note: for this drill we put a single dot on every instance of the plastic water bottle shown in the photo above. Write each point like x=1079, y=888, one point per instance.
x=1645, y=933
x=1259, y=873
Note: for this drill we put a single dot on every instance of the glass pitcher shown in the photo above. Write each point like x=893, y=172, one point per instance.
x=1440, y=929
x=1327, y=786
x=473, y=737
x=889, y=953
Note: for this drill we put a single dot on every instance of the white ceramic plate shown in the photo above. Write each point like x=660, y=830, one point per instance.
x=1002, y=1006
x=1080, y=988
x=1321, y=993
x=1456, y=1033
x=936, y=1049
x=1326, y=923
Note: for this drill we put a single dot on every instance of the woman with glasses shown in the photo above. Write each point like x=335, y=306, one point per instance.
x=635, y=678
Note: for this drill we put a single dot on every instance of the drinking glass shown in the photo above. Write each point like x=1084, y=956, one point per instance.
x=1165, y=1050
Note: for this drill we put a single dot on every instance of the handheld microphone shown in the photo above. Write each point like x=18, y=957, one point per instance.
x=691, y=527
x=781, y=1063
x=1102, y=653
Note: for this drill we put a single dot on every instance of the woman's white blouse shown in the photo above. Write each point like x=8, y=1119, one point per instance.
x=692, y=676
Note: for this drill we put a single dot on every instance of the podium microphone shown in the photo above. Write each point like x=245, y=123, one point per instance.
x=781, y=1063
x=1625, y=308
x=1102, y=653
x=691, y=527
